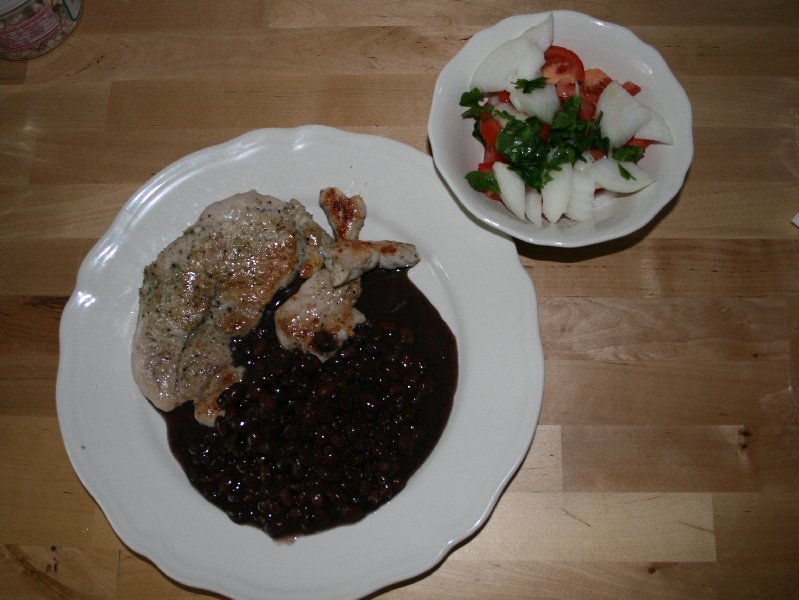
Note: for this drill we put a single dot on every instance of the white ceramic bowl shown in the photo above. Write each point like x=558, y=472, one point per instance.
x=621, y=55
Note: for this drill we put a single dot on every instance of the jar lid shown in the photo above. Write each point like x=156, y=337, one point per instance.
x=9, y=5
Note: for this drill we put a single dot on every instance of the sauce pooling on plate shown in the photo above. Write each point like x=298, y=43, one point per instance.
x=305, y=445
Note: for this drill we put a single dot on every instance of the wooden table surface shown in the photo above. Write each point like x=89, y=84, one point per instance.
x=666, y=460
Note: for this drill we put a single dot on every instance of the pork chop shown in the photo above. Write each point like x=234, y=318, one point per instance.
x=212, y=284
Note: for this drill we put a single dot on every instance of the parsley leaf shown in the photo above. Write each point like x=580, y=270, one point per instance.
x=628, y=153
x=528, y=85
x=520, y=142
x=483, y=181
x=532, y=148
x=471, y=101
x=625, y=173
x=570, y=131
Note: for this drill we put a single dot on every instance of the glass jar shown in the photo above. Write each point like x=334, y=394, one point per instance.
x=29, y=28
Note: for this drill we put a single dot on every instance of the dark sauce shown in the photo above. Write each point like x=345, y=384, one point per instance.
x=305, y=445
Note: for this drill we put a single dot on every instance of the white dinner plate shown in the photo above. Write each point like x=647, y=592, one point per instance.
x=117, y=441
x=624, y=57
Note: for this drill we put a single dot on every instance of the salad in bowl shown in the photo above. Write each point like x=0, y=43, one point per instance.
x=560, y=129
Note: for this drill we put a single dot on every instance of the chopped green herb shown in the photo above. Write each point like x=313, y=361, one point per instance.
x=521, y=143
x=528, y=85
x=628, y=153
x=531, y=153
x=570, y=131
x=625, y=173
x=471, y=101
x=483, y=181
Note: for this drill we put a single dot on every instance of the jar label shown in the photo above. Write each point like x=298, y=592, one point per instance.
x=30, y=33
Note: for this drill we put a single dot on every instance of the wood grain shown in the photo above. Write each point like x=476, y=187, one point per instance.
x=665, y=462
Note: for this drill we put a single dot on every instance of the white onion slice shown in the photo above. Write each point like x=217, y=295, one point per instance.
x=515, y=58
x=607, y=175
x=532, y=206
x=542, y=34
x=542, y=102
x=557, y=193
x=622, y=114
x=581, y=203
x=511, y=188
x=655, y=129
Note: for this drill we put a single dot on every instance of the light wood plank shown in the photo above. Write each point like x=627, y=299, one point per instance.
x=139, y=578
x=16, y=314
x=293, y=13
x=263, y=53
x=57, y=572
x=601, y=580
x=26, y=396
x=133, y=157
x=60, y=107
x=629, y=331
x=717, y=210
x=280, y=101
x=636, y=267
x=793, y=332
x=614, y=526
x=541, y=470
x=16, y=157
x=13, y=72
x=757, y=528
x=721, y=458
x=713, y=64
x=114, y=158
x=769, y=157
x=37, y=268
x=64, y=211
x=668, y=393
x=153, y=15
x=42, y=500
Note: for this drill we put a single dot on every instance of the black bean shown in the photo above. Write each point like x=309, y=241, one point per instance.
x=324, y=341
x=351, y=512
x=304, y=444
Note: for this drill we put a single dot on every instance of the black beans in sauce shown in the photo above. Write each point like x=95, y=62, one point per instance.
x=304, y=445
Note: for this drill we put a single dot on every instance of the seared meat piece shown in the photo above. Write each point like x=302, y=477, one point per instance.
x=211, y=284
x=323, y=308
x=320, y=317
x=345, y=214
x=349, y=259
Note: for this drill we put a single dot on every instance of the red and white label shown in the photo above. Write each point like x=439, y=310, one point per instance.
x=30, y=33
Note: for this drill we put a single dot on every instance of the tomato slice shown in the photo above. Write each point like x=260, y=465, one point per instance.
x=544, y=133
x=489, y=130
x=562, y=63
x=503, y=96
x=631, y=87
x=596, y=154
x=587, y=110
x=566, y=88
x=486, y=167
x=641, y=143
x=490, y=156
x=595, y=81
